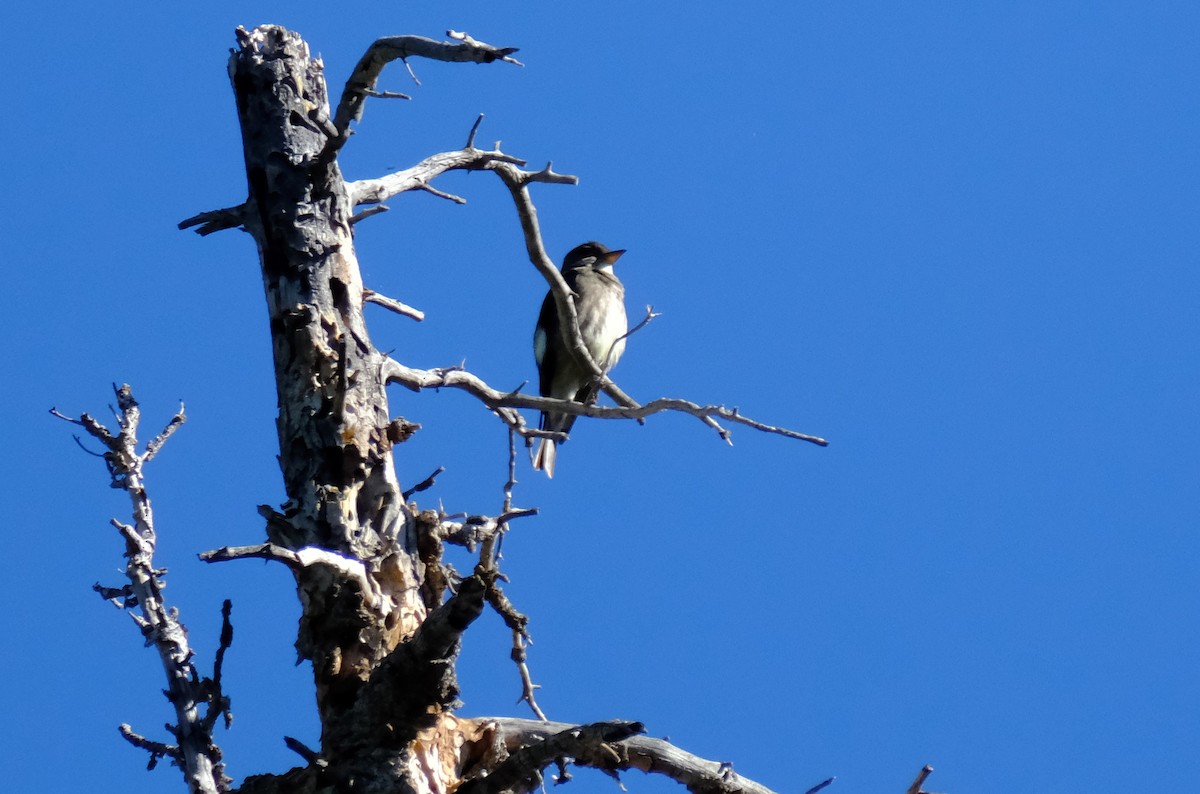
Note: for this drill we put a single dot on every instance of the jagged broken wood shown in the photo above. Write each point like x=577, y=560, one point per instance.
x=919, y=781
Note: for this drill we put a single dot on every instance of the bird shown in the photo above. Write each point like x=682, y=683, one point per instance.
x=600, y=306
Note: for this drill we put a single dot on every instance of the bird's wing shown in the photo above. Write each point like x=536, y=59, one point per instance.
x=546, y=344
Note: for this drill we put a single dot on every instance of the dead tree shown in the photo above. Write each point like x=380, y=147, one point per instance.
x=382, y=613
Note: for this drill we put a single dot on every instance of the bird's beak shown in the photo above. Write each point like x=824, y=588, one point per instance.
x=612, y=256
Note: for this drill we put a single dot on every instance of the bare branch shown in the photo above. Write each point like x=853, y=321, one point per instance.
x=423, y=485
x=390, y=48
x=637, y=752
x=522, y=769
x=216, y=220
x=156, y=444
x=121, y=597
x=371, y=296
x=489, y=556
x=441, y=193
x=466, y=39
x=197, y=754
x=157, y=750
x=387, y=95
x=474, y=129
x=91, y=425
x=378, y=209
x=219, y=702
x=303, y=750
x=301, y=558
x=417, y=177
x=650, y=315
x=500, y=403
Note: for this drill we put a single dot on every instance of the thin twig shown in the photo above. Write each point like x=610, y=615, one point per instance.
x=301, y=749
x=391, y=304
x=527, y=686
x=387, y=95
x=411, y=73
x=821, y=785
x=220, y=702
x=424, y=484
x=441, y=193
x=650, y=315
x=363, y=214
x=474, y=129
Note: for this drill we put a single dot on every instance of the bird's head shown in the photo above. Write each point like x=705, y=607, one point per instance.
x=591, y=255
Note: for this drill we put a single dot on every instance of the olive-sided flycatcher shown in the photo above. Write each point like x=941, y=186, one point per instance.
x=600, y=304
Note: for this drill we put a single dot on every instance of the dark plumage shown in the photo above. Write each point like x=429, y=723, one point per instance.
x=600, y=304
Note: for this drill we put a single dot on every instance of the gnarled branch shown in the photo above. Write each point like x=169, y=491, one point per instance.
x=390, y=48
x=503, y=403
x=348, y=567
x=196, y=753
x=533, y=745
x=373, y=191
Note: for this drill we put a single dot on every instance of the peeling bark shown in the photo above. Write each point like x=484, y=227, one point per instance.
x=335, y=454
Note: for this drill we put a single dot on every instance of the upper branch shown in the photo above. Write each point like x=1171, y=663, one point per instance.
x=390, y=48
x=468, y=158
x=373, y=191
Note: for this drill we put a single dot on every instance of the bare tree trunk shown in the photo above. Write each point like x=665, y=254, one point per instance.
x=360, y=592
x=382, y=635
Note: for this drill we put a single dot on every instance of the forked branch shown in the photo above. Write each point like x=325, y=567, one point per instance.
x=196, y=753
x=468, y=158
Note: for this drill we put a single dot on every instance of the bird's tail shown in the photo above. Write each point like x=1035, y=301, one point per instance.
x=546, y=454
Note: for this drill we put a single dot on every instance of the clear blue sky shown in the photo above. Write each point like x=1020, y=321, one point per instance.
x=958, y=240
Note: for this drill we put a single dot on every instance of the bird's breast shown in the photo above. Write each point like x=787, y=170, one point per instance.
x=602, y=323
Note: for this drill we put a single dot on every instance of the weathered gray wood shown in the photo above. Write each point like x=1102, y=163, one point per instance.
x=335, y=453
x=197, y=701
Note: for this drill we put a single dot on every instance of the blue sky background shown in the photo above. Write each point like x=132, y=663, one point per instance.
x=958, y=240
